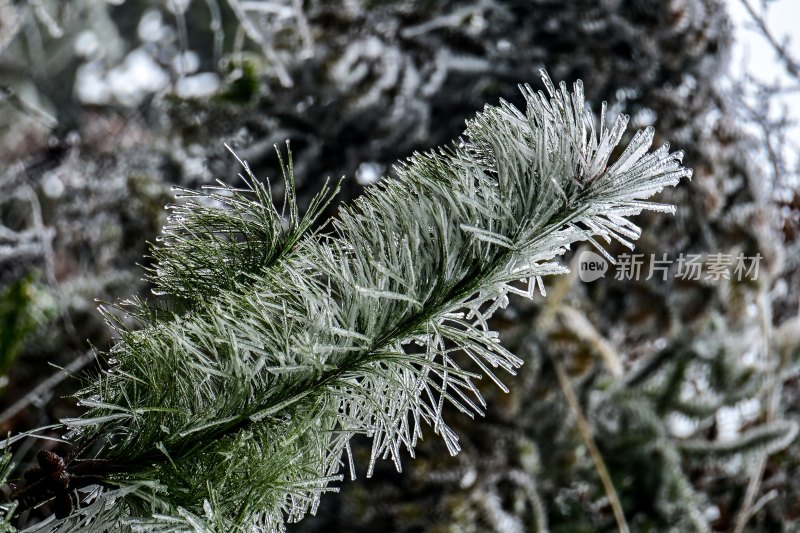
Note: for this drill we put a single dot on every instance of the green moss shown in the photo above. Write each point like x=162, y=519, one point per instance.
x=242, y=83
x=24, y=306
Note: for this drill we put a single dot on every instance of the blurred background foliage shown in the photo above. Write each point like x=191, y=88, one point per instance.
x=687, y=390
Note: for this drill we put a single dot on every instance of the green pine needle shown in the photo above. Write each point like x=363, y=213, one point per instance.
x=236, y=413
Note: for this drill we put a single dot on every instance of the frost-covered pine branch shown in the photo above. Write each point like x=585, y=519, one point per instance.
x=235, y=412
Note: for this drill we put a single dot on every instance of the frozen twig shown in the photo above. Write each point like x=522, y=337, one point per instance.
x=773, y=392
x=8, y=95
x=42, y=389
x=305, y=31
x=253, y=33
x=586, y=331
x=46, y=239
x=11, y=24
x=46, y=19
x=216, y=28
x=588, y=439
x=789, y=62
